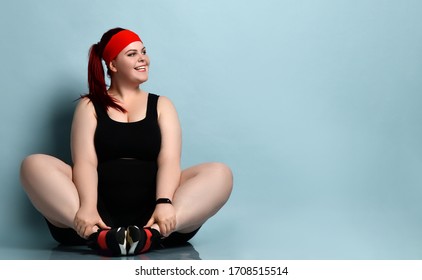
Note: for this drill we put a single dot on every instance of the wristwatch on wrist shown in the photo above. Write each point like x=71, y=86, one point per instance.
x=163, y=200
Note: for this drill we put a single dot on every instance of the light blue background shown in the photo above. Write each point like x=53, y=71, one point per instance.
x=314, y=104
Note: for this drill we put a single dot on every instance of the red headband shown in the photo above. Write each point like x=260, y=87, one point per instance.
x=117, y=43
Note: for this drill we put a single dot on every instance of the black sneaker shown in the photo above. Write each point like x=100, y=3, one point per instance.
x=141, y=240
x=109, y=242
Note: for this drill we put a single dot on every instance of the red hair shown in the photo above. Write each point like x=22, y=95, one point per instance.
x=96, y=78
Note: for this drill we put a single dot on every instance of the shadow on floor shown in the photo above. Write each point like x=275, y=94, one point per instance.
x=184, y=252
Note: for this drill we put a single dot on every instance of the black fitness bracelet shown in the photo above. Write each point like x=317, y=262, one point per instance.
x=163, y=200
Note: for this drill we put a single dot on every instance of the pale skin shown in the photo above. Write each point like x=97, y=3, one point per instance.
x=67, y=195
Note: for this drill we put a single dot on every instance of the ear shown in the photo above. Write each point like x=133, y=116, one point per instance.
x=112, y=67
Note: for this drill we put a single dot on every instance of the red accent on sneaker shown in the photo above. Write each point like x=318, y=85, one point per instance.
x=102, y=242
x=148, y=241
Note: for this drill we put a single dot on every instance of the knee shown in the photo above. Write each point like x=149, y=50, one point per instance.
x=224, y=172
x=30, y=164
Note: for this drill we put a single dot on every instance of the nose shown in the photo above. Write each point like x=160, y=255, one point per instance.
x=141, y=58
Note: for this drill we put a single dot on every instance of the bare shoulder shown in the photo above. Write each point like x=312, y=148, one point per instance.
x=164, y=101
x=85, y=104
x=165, y=105
x=85, y=107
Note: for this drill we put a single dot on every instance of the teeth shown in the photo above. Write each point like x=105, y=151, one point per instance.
x=140, y=68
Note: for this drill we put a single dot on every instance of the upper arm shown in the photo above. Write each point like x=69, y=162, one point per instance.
x=82, y=134
x=171, y=134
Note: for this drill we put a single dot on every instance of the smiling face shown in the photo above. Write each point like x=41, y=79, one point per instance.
x=131, y=64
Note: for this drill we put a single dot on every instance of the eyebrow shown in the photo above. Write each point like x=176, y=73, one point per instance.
x=134, y=50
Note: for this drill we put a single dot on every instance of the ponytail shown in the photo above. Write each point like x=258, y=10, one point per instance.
x=96, y=78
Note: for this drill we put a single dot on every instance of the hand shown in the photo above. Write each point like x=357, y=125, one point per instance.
x=88, y=221
x=165, y=217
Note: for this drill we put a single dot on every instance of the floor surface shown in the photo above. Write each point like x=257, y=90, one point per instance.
x=271, y=229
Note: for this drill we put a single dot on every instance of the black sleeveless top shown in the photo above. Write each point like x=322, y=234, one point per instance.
x=139, y=140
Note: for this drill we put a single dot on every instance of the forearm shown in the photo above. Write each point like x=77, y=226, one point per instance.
x=86, y=180
x=168, y=179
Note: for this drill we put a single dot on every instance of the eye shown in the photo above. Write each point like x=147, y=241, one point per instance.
x=144, y=51
x=131, y=54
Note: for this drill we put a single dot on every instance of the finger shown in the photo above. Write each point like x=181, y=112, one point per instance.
x=150, y=222
x=80, y=232
x=102, y=225
x=85, y=233
x=161, y=228
x=95, y=228
x=165, y=229
x=171, y=226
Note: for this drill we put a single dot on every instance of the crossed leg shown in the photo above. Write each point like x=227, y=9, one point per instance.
x=204, y=189
x=48, y=184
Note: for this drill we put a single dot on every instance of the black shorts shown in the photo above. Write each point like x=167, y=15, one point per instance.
x=69, y=237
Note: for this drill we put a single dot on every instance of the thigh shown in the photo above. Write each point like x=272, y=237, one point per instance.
x=194, y=170
x=209, y=171
x=48, y=183
x=203, y=190
x=36, y=165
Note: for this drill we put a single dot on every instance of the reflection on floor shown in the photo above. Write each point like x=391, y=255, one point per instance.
x=184, y=252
